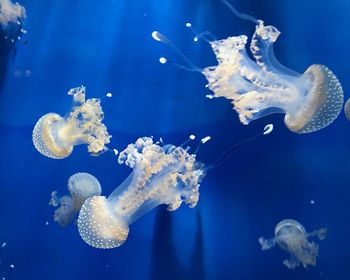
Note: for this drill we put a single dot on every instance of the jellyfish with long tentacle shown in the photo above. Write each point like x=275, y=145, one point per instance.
x=81, y=186
x=162, y=174
x=310, y=101
x=292, y=237
x=55, y=136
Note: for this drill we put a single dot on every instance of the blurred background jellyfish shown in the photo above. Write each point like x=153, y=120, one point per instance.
x=11, y=30
x=80, y=186
x=161, y=175
x=347, y=109
x=292, y=237
x=310, y=101
x=10, y=12
x=55, y=136
x=11, y=17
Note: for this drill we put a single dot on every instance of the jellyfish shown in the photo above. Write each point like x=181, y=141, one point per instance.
x=162, y=174
x=80, y=186
x=261, y=86
x=292, y=237
x=347, y=109
x=10, y=12
x=11, y=20
x=55, y=136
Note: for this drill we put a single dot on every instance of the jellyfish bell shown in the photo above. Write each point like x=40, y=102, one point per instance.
x=162, y=174
x=81, y=186
x=51, y=144
x=322, y=104
x=289, y=225
x=292, y=237
x=347, y=109
x=99, y=226
x=287, y=228
x=55, y=136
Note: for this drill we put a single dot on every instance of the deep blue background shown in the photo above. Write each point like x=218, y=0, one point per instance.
x=106, y=46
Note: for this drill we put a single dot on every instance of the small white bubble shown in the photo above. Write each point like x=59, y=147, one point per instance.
x=268, y=129
x=3, y=244
x=312, y=202
x=192, y=137
x=156, y=36
x=12, y=266
x=205, y=139
x=46, y=223
x=210, y=96
x=195, y=39
x=163, y=60
x=109, y=94
x=116, y=152
x=188, y=24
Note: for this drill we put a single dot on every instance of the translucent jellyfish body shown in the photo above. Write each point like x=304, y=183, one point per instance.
x=81, y=186
x=310, y=101
x=161, y=175
x=55, y=136
x=292, y=237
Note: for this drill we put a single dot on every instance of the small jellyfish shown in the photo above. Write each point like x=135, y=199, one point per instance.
x=161, y=175
x=81, y=186
x=55, y=136
x=292, y=237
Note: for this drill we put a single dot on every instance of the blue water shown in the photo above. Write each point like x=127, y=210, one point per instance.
x=107, y=46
